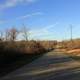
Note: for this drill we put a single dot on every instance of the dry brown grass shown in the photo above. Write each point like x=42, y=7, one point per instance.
x=74, y=52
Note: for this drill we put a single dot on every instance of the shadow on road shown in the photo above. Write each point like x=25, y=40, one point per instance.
x=50, y=66
x=12, y=62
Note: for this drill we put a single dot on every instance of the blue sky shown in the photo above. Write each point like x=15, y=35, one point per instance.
x=46, y=19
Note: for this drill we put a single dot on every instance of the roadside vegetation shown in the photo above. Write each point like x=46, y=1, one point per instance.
x=71, y=48
x=14, y=53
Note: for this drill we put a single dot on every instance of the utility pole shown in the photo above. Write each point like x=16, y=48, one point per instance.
x=71, y=31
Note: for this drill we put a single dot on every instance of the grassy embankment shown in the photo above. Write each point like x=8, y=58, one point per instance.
x=14, y=55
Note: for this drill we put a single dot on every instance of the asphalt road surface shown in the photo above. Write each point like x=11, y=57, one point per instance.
x=53, y=65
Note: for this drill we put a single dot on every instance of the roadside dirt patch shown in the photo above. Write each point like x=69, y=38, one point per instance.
x=75, y=52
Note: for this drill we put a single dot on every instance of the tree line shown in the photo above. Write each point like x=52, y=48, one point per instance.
x=11, y=34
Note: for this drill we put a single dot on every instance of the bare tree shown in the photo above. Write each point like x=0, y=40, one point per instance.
x=7, y=35
x=25, y=32
x=1, y=36
x=13, y=34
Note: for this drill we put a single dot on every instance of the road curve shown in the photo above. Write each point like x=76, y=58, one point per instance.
x=53, y=65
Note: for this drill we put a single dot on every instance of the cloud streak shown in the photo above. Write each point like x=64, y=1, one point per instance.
x=13, y=3
x=44, y=32
x=30, y=15
x=22, y=17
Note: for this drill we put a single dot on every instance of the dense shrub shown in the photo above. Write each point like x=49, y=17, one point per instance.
x=28, y=47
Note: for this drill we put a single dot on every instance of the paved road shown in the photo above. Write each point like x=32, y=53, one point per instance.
x=54, y=65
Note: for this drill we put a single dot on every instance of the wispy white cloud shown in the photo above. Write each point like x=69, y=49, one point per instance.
x=22, y=17
x=13, y=3
x=44, y=32
x=30, y=15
